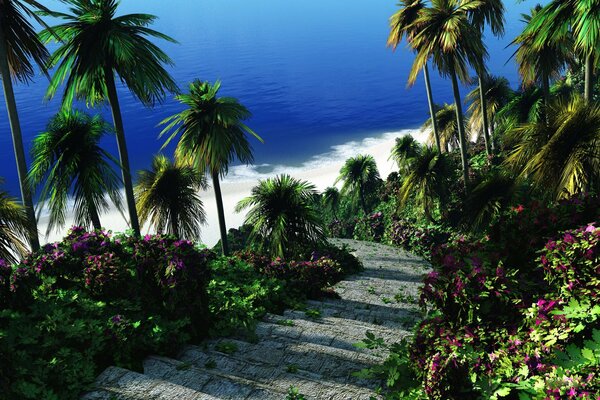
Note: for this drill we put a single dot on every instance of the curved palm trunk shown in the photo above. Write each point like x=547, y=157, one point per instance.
x=484, y=115
x=15, y=127
x=461, y=130
x=221, y=213
x=589, y=77
x=113, y=100
x=432, y=108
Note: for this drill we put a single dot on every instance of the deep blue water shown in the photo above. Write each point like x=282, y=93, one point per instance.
x=314, y=73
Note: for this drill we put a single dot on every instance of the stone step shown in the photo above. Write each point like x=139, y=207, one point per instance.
x=333, y=332
x=334, y=363
x=121, y=384
x=213, y=381
x=278, y=379
x=394, y=318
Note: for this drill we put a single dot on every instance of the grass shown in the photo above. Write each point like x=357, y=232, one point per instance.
x=226, y=347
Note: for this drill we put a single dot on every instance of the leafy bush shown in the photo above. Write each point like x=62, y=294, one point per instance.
x=501, y=329
x=239, y=295
x=417, y=239
x=93, y=300
x=370, y=228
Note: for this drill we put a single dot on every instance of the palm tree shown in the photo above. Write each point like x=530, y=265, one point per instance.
x=358, y=173
x=68, y=159
x=428, y=181
x=447, y=125
x=490, y=12
x=561, y=156
x=213, y=134
x=405, y=150
x=497, y=95
x=448, y=37
x=403, y=23
x=331, y=199
x=167, y=197
x=555, y=22
x=15, y=228
x=94, y=46
x=488, y=199
x=19, y=45
x=281, y=215
x=541, y=61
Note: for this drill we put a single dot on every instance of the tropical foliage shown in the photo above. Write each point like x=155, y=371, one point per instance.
x=212, y=135
x=167, y=198
x=359, y=175
x=19, y=46
x=70, y=166
x=14, y=228
x=95, y=45
x=282, y=215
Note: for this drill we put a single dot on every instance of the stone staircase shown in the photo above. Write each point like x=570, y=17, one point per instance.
x=311, y=350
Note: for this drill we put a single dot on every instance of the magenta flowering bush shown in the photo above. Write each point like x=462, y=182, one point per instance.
x=419, y=240
x=308, y=277
x=370, y=227
x=515, y=314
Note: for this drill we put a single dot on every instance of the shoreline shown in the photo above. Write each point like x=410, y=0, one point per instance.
x=321, y=170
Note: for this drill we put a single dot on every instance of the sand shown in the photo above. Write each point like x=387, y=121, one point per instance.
x=321, y=170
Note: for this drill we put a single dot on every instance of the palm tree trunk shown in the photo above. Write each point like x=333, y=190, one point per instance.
x=221, y=213
x=436, y=133
x=461, y=131
x=363, y=203
x=589, y=77
x=113, y=100
x=484, y=115
x=175, y=224
x=15, y=127
x=546, y=93
x=95, y=218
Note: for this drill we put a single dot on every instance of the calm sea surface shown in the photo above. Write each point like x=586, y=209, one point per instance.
x=314, y=73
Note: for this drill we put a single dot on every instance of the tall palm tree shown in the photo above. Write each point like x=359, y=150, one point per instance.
x=405, y=150
x=497, y=94
x=213, y=135
x=167, y=197
x=358, y=173
x=15, y=228
x=541, y=61
x=490, y=12
x=402, y=23
x=427, y=182
x=331, y=199
x=68, y=160
x=561, y=156
x=559, y=19
x=453, y=43
x=94, y=46
x=282, y=216
x=447, y=125
x=19, y=46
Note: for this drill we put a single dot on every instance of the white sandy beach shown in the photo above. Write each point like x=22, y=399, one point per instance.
x=321, y=170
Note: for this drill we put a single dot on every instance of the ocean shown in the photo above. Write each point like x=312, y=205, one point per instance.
x=316, y=74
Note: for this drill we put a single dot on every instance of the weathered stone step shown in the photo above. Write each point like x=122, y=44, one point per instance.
x=213, y=381
x=334, y=363
x=333, y=332
x=393, y=319
x=121, y=384
x=279, y=379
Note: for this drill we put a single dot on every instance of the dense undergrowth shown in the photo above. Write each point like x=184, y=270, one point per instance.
x=510, y=313
x=97, y=299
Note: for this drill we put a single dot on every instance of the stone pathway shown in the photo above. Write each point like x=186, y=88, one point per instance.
x=311, y=350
